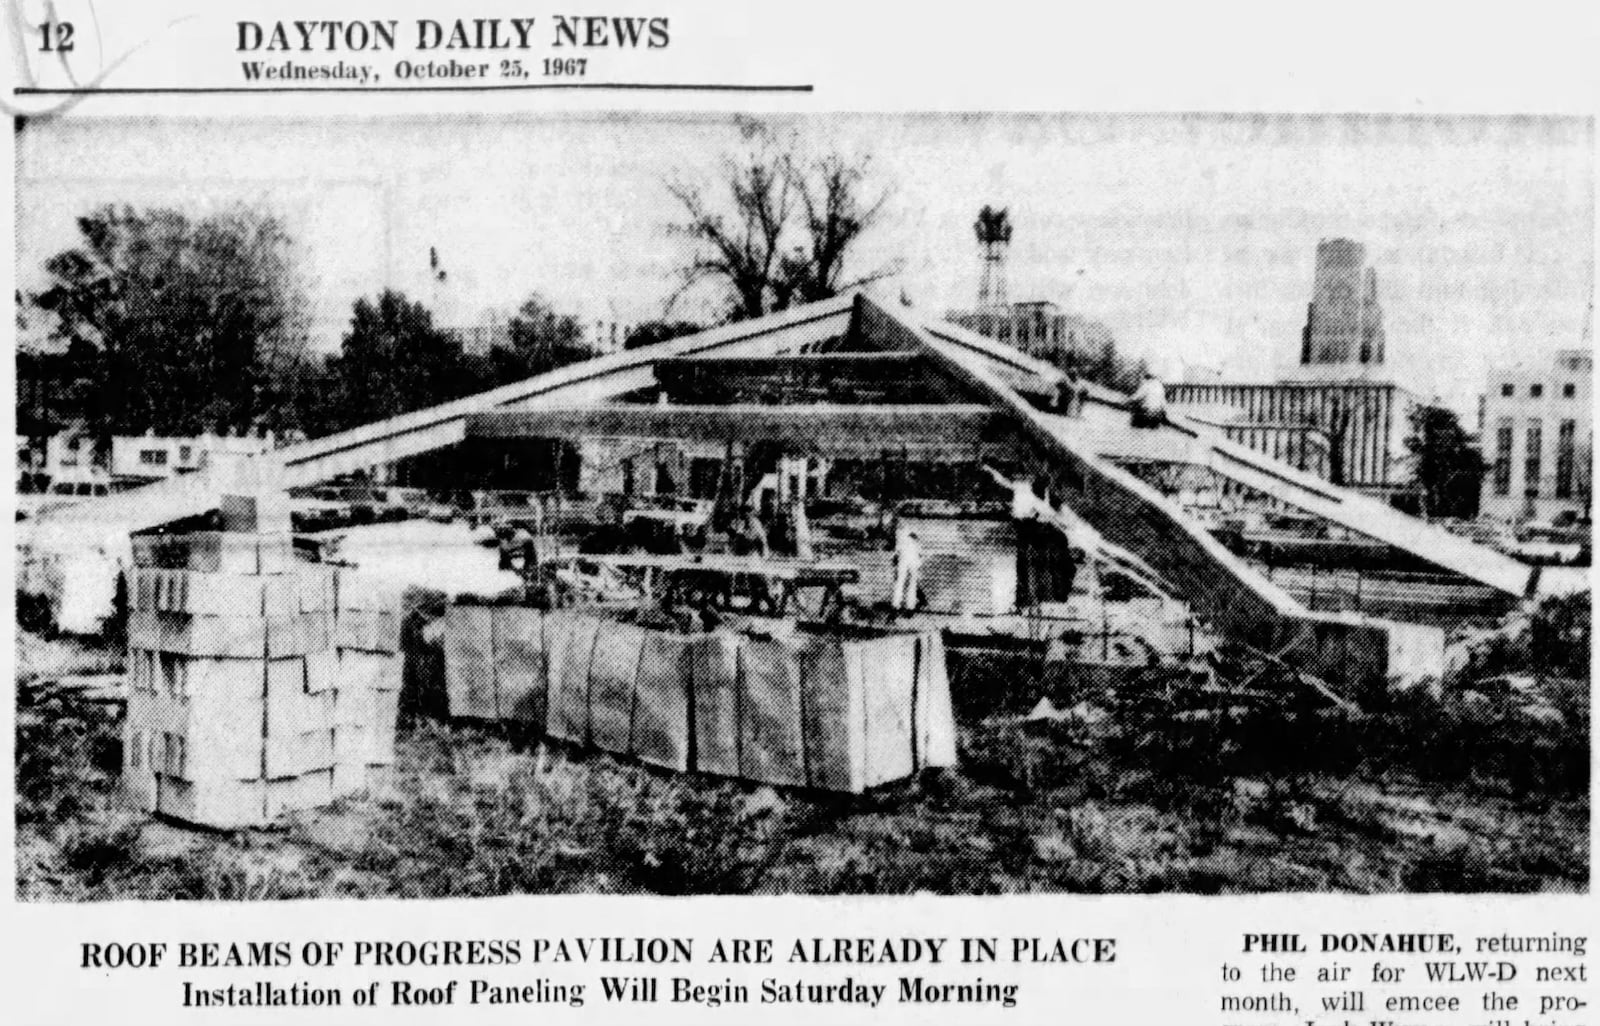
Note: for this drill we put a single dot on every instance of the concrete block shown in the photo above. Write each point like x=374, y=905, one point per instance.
x=291, y=754
x=322, y=671
x=296, y=794
x=275, y=554
x=349, y=778
x=374, y=671
x=224, y=740
x=299, y=634
x=185, y=634
x=381, y=780
x=355, y=590
x=352, y=707
x=306, y=589
x=368, y=630
x=351, y=744
x=237, y=637
x=223, y=804
x=226, y=682
x=264, y=512
x=138, y=774
x=382, y=728
x=226, y=552
x=291, y=706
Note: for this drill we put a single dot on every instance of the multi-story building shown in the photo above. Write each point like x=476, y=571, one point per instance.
x=1043, y=329
x=1350, y=432
x=1340, y=415
x=1538, y=438
x=1344, y=323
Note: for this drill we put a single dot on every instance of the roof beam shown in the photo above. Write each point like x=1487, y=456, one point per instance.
x=818, y=428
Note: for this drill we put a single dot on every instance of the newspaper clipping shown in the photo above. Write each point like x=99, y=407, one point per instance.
x=663, y=511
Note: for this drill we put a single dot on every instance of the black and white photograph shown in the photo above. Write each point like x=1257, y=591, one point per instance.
x=777, y=503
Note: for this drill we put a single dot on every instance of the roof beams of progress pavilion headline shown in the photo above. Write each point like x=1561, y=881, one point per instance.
x=942, y=431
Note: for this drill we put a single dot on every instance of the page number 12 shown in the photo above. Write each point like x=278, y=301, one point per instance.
x=55, y=36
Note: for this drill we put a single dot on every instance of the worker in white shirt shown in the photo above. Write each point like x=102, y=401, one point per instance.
x=907, y=569
x=1025, y=502
x=1149, y=406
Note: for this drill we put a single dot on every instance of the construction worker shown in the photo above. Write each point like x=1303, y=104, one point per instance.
x=1149, y=407
x=1069, y=396
x=907, y=569
x=519, y=546
x=800, y=526
x=753, y=534
x=1025, y=502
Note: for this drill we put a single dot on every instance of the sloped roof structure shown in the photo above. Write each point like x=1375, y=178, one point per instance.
x=955, y=387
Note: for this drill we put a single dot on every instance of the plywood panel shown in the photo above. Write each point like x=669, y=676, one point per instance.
x=714, y=658
x=770, y=746
x=520, y=665
x=611, y=675
x=831, y=716
x=662, y=698
x=936, y=725
x=887, y=679
x=572, y=639
x=468, y=665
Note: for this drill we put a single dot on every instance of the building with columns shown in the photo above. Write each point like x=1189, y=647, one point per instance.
x=1538, y=438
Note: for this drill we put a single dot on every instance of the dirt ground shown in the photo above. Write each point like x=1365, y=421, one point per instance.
x=1112, y=796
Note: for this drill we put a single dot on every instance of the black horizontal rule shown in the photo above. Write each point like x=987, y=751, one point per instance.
x=690, y=87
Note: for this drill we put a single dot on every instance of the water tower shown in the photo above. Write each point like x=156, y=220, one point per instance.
x=993, y=229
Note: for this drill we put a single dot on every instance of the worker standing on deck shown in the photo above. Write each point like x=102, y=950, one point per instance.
x=800, y=526
x=1069, y=396
x=907, y=569
x=1150, y=402
x=754, y=533
x=1026, y=509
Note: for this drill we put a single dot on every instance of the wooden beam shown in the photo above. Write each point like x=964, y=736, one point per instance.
x=819, y=428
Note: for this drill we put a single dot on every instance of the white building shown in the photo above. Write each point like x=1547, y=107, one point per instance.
x=1538, y=438
x=153, y=458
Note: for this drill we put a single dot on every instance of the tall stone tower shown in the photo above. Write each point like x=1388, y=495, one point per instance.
x=993, y=229
x=1344, y=323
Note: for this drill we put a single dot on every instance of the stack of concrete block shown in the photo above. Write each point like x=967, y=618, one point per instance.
x=259, y=684
x=365, y=669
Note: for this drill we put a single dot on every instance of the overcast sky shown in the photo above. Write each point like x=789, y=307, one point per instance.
x=1192, y=237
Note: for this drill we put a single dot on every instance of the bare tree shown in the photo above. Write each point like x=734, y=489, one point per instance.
x=777, y=227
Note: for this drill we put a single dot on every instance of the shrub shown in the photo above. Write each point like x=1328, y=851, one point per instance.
x=686, y=837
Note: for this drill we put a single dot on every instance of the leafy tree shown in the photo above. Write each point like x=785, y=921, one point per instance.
x=649, y=333
x=1448, y=471
x=777, y=226
x=541, y=340
x=173, y=323
x=394, y=360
